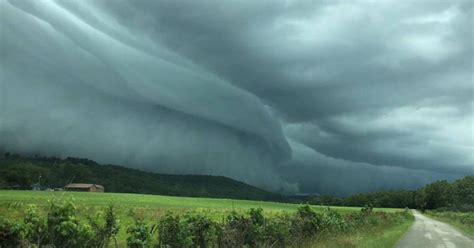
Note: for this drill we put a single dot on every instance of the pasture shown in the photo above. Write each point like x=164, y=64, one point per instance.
x=147, y=206
x=154, y=202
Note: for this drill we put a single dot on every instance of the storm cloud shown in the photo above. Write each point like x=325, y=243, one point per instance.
x=295, y=96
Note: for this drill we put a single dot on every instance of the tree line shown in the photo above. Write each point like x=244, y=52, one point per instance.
x=442, y=195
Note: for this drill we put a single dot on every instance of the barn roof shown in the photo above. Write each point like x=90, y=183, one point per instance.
x=83, y=185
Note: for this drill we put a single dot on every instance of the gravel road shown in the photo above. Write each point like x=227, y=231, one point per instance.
x=429, y=233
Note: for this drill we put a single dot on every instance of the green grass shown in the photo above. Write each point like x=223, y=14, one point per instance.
x=145, y=206
x=464, y=222
x=381, y=235
x=152, y=207
x=385, y=236
x=153, y=201
x=148, y=206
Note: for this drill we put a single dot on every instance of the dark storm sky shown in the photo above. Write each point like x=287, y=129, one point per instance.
x=304, y=96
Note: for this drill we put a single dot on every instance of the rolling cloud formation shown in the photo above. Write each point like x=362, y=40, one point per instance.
x=299, y=96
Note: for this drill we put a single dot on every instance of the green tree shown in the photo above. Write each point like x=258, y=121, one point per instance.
x=438, y=194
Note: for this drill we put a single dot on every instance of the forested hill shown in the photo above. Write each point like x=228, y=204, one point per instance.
x=19, y=172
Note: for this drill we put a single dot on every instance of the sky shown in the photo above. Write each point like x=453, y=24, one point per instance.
x=328, y=97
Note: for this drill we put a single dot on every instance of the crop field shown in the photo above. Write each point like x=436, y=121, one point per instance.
x=129, y=208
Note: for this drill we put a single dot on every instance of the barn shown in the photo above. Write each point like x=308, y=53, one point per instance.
x=87, y=187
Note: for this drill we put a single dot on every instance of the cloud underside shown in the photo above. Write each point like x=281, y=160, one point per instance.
x=329, y=97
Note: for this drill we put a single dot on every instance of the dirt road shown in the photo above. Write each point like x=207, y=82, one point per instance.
x=429, y=233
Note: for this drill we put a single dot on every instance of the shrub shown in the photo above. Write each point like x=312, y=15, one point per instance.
x=276, y=231
x=367, y=209
x=73, y=233
x=334, y=221
x=60, y=228
x=139, y=235
x=112, y=225
x=255, y=229
x=105, y=226
x=58, y=214
x=190, y=230
x=234, y=230
x=10, y=233
x=171, y=232
x=64, y=228
x=36, y=227
x=256, y=216
x=202, y=230
x=306, y=223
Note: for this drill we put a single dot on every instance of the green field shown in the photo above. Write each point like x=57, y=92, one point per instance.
x=146, y=206
x=138, y=201
x=151, y=207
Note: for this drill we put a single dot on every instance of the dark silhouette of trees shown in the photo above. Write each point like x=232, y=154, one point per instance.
x=20, y=172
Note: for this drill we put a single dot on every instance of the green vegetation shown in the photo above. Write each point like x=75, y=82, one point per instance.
x=441, y=195
x=84, y=219
x=384, y=233
x=66, y=223
x=148, y=206
x=462, y=221
x=19, y=172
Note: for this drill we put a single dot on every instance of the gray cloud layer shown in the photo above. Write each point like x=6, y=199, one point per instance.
x=328, y=96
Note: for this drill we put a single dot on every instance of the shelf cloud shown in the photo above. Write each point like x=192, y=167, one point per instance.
x=293, y=96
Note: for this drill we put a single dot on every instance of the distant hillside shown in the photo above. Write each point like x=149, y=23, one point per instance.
x=19, y=172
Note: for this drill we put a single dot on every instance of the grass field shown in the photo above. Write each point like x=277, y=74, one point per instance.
x=148, y=206
x=153, y=201
x=152, y=207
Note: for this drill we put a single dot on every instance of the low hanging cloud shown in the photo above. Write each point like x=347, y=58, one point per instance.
x=282, y=95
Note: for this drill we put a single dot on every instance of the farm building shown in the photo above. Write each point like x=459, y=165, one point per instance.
x=84, y=187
